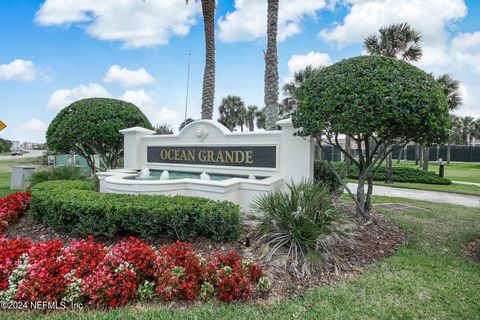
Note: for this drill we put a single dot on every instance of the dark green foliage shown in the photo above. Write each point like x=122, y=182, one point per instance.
x=75, y=206
x=5, y=145
x=405, y=174
x=373, y=95
x=324, y=175
x=376, y=101
x=300, y=222
x=91, y=127
x=58, y=173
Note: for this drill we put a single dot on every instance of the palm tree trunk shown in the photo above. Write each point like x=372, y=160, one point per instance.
x=208, y=93
x=271, y=67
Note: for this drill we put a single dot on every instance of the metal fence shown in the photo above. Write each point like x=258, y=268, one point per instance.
x=457, y=153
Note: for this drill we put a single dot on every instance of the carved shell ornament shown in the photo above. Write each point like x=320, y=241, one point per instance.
x=201, y=134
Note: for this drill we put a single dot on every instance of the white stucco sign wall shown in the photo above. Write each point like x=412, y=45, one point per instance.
x=273, y=157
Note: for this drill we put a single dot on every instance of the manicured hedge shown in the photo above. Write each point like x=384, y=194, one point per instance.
x=405, y=174
x=75, y=206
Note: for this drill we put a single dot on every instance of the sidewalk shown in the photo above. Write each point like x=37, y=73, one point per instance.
x=434, y=196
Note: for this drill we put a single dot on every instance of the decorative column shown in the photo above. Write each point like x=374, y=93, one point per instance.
x=296, y=153
x=133, y=156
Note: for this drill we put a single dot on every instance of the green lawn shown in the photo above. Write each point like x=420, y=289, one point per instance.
x=5, y=172
x=5, y=184
x=428, y=278
x=457, y=171
x=454, y=187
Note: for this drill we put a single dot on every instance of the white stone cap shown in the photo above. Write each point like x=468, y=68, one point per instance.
x=137, y=130
x=284, y=122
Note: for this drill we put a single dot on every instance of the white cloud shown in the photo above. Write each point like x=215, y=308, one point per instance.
x=21, y=70
x=249, y=20
x=33, y=130
x=64, y=97
x=135, y=23
x=145, y=103
x=365, y=17
x=127, y=77
x=35, y=125
x=466, y=49
x=299, y=62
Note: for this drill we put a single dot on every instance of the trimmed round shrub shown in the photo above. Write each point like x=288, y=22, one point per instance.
x=74, y=206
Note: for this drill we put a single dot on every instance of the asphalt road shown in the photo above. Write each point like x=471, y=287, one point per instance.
x=30, y=154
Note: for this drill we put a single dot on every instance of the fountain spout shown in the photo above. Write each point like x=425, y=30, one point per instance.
x=165, y=175
x=144, y=173
x=205, y=176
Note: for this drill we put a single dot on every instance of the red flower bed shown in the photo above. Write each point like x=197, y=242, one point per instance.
x=89, y=272
x=12, y=206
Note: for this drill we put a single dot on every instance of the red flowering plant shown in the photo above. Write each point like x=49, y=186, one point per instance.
x=44, y=279
x=12, y=206
x=88, y=271
x=10, y=252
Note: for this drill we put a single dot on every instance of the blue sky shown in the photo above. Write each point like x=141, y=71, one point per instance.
x=57, y=51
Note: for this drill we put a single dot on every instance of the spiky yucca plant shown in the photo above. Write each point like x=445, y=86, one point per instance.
x=300, y=223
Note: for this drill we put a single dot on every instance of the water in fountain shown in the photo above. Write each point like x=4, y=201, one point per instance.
x=252, y=177
x=205, y=176
x=165, y=175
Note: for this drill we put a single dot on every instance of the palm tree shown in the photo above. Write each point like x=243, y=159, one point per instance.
x=397, y=41
x=468, y=128
x=451, y=89
x=232, y=112
x=260, y=115
x=250, y=116
x=289, y=103
x=271, y=67
x=208, y=91
x=163, y=129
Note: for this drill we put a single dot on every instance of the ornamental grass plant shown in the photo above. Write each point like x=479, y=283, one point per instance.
x=299, y=226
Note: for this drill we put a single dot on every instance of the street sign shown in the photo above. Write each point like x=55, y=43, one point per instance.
x=2, y=125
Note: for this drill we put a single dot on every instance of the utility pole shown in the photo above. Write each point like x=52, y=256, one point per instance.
x=188, y=82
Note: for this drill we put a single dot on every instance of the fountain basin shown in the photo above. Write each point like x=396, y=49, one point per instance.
x=237, y=189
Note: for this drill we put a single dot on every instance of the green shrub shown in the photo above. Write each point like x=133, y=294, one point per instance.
x=75, y=206
x=300, y=222
x=324, y=175
x=57, y=173
x=405, y=174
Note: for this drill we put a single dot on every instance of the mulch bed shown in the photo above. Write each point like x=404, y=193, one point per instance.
x=473, y=250
x=366, y=244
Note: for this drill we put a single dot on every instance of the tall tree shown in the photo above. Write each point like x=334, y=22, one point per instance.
x=289, y=103
x=208, y=91
x=271, y=67
x=232, y=112
x=250, y=116
x=468, y=128
x=394, y=111
x=451, y=89
x=260, y=119
x=397, y=41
